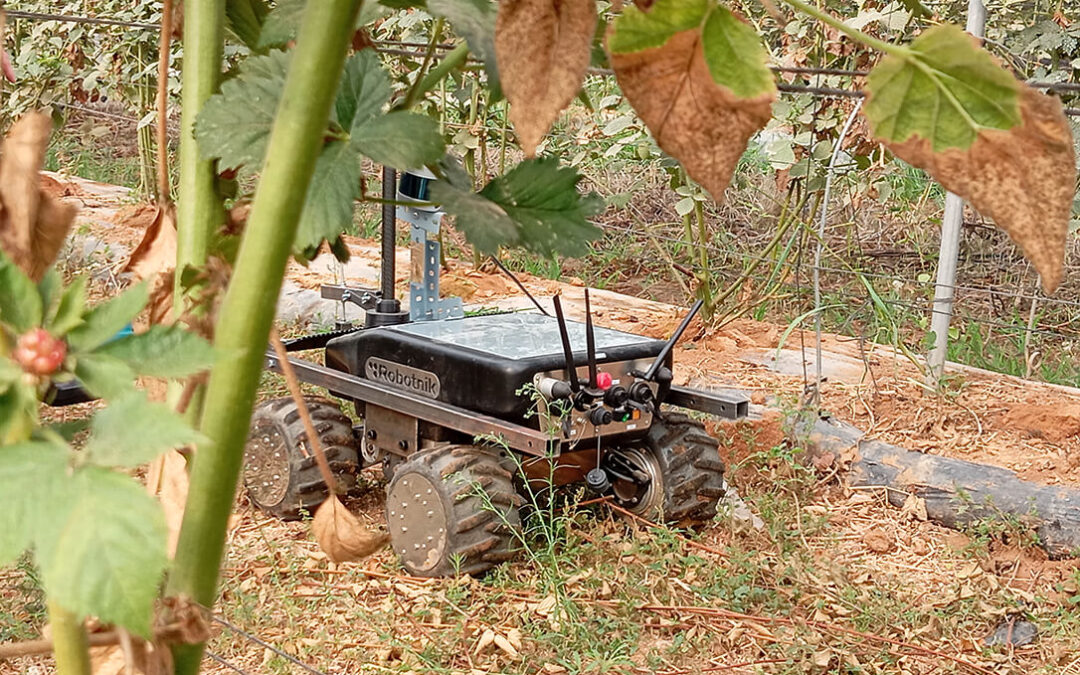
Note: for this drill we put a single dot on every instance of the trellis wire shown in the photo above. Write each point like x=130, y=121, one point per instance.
x=223, y=661
x=820, y=91
x=70, y=18
x=889, y=301
x=820, y=244
x=262, y=643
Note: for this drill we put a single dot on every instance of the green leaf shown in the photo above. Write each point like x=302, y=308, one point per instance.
x=735, y=56
x=104, y=321
x=69, y=429
x=104, y=376
x=484, y=223
x=328, y=207
x=245, y=18
x=105, y=555
x=133, y=431
x=48, y=286
x=28, y=474
x=400, y=139
x=636, y=30
x=536, y=205
x=234, y=125
x=364, y=90
x=282, y=24
x=20, y=302
x=10, y=372
x=945, y=90
x=18, y=411
x=69, y=313
x=162, y=351
x=403, y=140
x=475, y=21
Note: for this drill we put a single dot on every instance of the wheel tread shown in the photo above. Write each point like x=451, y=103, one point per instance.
x=478, y=537
x=306, y=489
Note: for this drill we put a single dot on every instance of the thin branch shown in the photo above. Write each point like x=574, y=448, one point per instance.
x=164, y=192
x=301, y=405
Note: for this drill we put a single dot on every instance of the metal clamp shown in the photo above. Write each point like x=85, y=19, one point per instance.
x=364, y=298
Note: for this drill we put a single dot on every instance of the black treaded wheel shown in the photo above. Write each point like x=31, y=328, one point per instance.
x=280, y=472
x=684, y=464
x=440, y=524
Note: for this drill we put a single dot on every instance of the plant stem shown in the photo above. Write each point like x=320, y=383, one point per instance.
x=70, y=645
x=853, y=33
x=145, y=135
x=199, y=211
x=453, y=58
x=164, y=192
x=705, y=288
x=414, y=90
x=247, y=312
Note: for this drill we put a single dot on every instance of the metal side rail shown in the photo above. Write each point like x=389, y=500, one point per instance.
x=516, y=436
x=727, y=405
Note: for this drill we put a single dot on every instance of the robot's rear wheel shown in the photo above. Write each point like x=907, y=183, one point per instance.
x=280, y=472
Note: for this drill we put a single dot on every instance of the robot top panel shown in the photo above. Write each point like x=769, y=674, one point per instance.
x=517, y=335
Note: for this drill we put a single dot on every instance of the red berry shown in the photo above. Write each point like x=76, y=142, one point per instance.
x=40, y=353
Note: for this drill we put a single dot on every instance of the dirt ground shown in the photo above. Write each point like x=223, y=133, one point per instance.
x=825, y=559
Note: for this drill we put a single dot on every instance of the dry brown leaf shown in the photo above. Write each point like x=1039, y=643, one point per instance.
x=506, y=646
x=878, y=541
x=156, y=253
x=168, y=480
x=693, y=119
x=1024, y=178
x=486, y=639
x=108, y=660
x=33, y=224
x=181, y=621
x=341, y=535
x=543, y=49
x=155, y=256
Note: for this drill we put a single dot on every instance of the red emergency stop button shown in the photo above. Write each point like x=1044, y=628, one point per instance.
x=603, y=381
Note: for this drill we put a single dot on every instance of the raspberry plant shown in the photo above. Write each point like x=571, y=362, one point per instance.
x=96, y=535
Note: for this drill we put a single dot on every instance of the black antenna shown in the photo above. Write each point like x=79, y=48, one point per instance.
x=568, y=352
x=590, y=342
x=662, y=356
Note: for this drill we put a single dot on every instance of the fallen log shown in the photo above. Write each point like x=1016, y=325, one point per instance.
x=957, y=493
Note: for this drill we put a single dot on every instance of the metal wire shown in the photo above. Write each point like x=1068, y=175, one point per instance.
x=91, y=111
x=851, y=272
x=228, y=664
x=263, y=643
x=69, y=18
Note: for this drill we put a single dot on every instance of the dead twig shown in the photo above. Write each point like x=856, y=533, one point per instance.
x=301, y=405
x=12, y=650
x=820, y=625
x=689, y=542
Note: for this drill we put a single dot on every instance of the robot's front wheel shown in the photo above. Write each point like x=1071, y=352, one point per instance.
x=453, y=510
x=685, y=474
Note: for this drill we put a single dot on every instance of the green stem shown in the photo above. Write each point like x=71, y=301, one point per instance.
x=705, y=291
x=853, y=33
x=70, y=646
x=453, y=59
x=414, y=90
x=199, y=210
x=247, y=311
